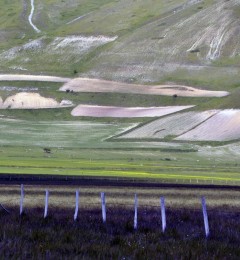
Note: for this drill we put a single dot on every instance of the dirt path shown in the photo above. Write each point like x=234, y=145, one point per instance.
x=78, y=18
x=17, y=77
x=30, y=17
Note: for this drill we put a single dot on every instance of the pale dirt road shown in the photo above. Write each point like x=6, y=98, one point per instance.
x=17, y=77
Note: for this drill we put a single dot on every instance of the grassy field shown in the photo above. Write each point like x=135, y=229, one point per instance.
x=161, y=164
x=58, y=235
x=83, y=148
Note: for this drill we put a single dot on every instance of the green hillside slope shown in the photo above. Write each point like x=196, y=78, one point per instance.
x=134, y=41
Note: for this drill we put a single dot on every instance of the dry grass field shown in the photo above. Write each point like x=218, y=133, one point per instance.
x=58, y=235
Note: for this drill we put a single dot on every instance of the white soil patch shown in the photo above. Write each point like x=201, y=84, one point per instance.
x=224, y=126
x=24, y=89
x=18, y=77
x=26, y=100
x=97, y=85
x=61, y=49
x=128, y=112
x=170, y=125
x=81, y=41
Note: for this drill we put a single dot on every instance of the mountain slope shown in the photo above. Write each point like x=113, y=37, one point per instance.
x=187, y=41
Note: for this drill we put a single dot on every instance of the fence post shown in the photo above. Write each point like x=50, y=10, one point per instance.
x=46, y=204
x=103, y=207
x=21, y=199
x=163, y=214
x=205, y=217
x=135, y=211
x=76, y=205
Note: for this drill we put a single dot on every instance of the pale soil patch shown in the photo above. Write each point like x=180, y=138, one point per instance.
x=97, y=85
x=79, y=43
x=48, y=53
x=111, y=111
x=185, y=40
x=170, y=125
x=44, y=49
x=17, y=77
x=224, y=126
x=26, y=100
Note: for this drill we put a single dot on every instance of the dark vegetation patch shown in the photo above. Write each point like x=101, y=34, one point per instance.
x=58, y=236
x=195, y=51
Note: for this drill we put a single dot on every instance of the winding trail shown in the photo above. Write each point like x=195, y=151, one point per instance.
x=30, y=17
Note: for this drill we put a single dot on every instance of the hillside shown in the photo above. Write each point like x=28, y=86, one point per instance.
x=132, y=41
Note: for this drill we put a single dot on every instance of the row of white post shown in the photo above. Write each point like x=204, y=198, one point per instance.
x=104, y=215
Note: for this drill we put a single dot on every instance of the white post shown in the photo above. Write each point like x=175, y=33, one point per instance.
x=21, y=199
x=103, y=207
x=76, y=206
x=46, y=204
x=135, y=211
x=163, y=214
x=205, y=217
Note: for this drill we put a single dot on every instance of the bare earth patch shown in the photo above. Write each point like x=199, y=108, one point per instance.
x=211, y=125
x=97, y=85
x=26, y=100
x=223, y=126
x=17, y=77
x=111, y=111
x=176, y=125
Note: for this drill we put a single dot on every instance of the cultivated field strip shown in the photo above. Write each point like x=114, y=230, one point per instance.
x=128, y=112
x=56, y=133
x=212, y=125
x=107, y=86
x=170, y=125
x=157, y=172
x=223, y=126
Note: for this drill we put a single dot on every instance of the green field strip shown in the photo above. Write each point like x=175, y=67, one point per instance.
x=59, y=163
x=51, y=166
x=119, y=173
x=168, y=170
